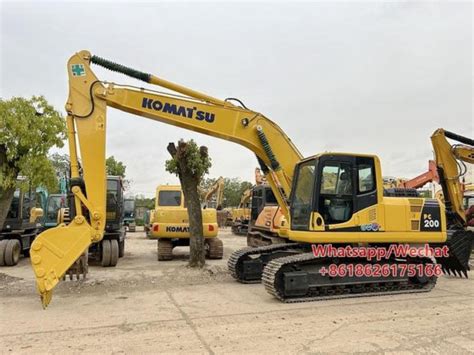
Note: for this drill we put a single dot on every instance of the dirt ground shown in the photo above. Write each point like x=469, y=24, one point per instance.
x=146, y=306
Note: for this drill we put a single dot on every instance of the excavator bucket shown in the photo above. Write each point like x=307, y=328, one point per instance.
x=460, y=247
x=54, y=251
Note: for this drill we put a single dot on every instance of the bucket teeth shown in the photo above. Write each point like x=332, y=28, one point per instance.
x=460, y=247
x=78, y=269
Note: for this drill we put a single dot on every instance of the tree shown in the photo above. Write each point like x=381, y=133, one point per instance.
x=61, y=164
x=142, y=201
x=28, y=129
x=115, y=167
x=233, y=190
x=190, y=164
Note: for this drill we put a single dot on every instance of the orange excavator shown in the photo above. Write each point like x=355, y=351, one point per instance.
x=419, y=181
x=403, y=187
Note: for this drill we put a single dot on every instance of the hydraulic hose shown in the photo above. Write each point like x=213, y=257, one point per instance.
x=268, y=149
x=119, y=68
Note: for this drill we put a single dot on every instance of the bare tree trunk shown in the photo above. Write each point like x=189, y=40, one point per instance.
x=189, y=184
x=197, y=257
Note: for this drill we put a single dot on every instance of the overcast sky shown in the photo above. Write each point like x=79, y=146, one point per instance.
x=367, y=77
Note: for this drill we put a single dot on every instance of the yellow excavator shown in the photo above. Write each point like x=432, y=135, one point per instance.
x=241, y=214
x=216, y=189
x=170, y=224
x=259, y=217
x=328, y=198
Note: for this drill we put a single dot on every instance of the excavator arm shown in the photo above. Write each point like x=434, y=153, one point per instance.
x=450, y=161
x=245, y=198
x=422, y=179
x=218, y=189
x=55, y=250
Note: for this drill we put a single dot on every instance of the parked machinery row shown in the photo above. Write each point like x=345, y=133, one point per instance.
x=327, y=198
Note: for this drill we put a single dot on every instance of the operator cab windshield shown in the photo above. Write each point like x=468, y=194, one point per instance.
x=335, y=186
x=129, y=207
x=13, y=211
x=169, y=198
x=113, y=187
x=54, y=204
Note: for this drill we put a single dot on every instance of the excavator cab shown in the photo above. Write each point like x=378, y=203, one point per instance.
x=262, y=196
x=335, y=186
x=21, y=226
x=129, y=215
x=54, y=203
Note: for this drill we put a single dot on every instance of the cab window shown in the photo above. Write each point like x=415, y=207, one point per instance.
x=270, y=198
x=336, y=180
x=13, y=211
x=366, y=176
x=336, y=192
x=169, y=198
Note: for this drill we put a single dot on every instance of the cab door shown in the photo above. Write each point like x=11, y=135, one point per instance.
x=346, y=186
x=302, y=192
x=335, y=192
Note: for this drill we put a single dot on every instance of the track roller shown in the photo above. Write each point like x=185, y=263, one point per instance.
x=165, y=250
x=246, y=265
x=214, y=248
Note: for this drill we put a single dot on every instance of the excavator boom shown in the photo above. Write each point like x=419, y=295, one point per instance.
x=56, y=249
x=218, y=189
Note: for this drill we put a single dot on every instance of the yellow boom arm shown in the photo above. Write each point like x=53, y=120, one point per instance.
x=55, y=250
x=218, y=189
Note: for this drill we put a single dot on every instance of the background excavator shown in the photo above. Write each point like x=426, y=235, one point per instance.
x=22, y=225
x=431, y=175
x=241, y=214
x=129, y=214
x=111, y=247
x=216, y=190
x=170, y=224
x=326, y=198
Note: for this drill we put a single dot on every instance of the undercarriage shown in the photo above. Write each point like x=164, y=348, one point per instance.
x=292, y=273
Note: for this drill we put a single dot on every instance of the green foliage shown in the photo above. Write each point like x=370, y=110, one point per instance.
x=148, y=203
x=28, y=129
x=198, y=164
x=233, y=190
x=115, y=167
x=206, y=183
x=61, y=167
x=60, y=163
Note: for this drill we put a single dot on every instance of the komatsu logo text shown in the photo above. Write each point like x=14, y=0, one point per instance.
x=177, y=229
x=177, y=110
